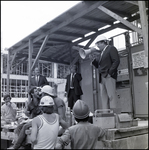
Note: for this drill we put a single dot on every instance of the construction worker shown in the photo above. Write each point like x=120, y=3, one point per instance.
x=45, y=127
x=83, y=135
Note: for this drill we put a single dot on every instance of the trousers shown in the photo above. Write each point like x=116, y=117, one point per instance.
x=108, y=94
x=72, y=98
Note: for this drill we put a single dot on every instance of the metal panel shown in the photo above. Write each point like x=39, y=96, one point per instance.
x=125, y=100
x=140, y=77
x=87, y=84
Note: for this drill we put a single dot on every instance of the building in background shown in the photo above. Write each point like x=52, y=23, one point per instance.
x=54, y=72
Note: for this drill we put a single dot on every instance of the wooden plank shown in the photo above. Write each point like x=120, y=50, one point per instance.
x=40, y=51
x=13, y=58
x=117, y=17
x=144, y=25
x=30, y=51
x=98, y=20
x=80, y=27
x=68, y=33
x=8, y=72
x=132, y=2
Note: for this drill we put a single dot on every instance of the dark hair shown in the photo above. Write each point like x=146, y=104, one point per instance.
x=84, y=120
x=74, y=66
x=31, y=91
x=47, y=109
x=5, y=96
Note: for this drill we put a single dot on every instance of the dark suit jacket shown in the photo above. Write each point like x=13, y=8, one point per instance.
x=42, y=81
x=109, y=62
x=77, y=87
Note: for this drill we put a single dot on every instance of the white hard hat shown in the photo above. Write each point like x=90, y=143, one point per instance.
x=46, y=101
x=48, y=89
x=80, y=110
x=101, y=38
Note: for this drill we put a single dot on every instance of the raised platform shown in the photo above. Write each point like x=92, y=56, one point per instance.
x=126, y=138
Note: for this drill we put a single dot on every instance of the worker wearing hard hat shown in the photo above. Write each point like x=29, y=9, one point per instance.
x=83, y=135
x=45, y=127
x=107, y=63
x=59, y=106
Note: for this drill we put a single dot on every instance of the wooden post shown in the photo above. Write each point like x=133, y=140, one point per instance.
x=144, y=25
x=8, y=72
x=30, y=64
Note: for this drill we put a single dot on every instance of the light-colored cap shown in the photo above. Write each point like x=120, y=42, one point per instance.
x=46, y=101
x=48, y=89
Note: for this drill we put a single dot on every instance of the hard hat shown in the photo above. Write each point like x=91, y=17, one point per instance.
x=101, y=38
x=46, y=101
x=48, y=89
x=80, y=110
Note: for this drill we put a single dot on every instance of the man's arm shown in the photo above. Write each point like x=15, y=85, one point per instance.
x=115, y=60
x=63, y=123
x=64, y=140
x=34, y=130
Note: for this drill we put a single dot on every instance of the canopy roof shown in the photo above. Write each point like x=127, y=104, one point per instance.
x=54, y=41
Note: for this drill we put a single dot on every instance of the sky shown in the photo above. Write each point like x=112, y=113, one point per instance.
x=21, y=18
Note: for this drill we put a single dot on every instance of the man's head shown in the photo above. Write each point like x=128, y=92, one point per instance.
x=47, y=89
x=7, y=99
x=101, y=42
x=46, y=104
x=36, y=71
x=73, y=69
x=34, y=92
x=81, y=111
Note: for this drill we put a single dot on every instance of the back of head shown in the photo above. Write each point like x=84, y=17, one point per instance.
x=81, y=110
x=48, y=90
x=46, y=101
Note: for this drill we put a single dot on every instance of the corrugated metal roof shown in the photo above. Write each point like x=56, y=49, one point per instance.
x=72, y=24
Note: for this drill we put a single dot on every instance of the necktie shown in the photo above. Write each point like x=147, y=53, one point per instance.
x=72, y=76
x=37, y=80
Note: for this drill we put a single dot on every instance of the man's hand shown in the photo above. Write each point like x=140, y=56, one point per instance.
x=91, y=57
x=58, y=146
x=65, y=94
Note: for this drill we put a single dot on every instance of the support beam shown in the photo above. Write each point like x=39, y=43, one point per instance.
x=8, y=72
x=101, y=21
x=13, y=58
x=40, y=51
x=68, y=34
x=106, y=30
x=144, y=25
x=125, y=22
x=132, y=2
x=80, y=27
x=90, y=41
x=18, y=64
x=30, y=51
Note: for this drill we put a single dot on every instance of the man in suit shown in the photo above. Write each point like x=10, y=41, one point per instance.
x=107, y=63
x=73, y=89
x=38, y=80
